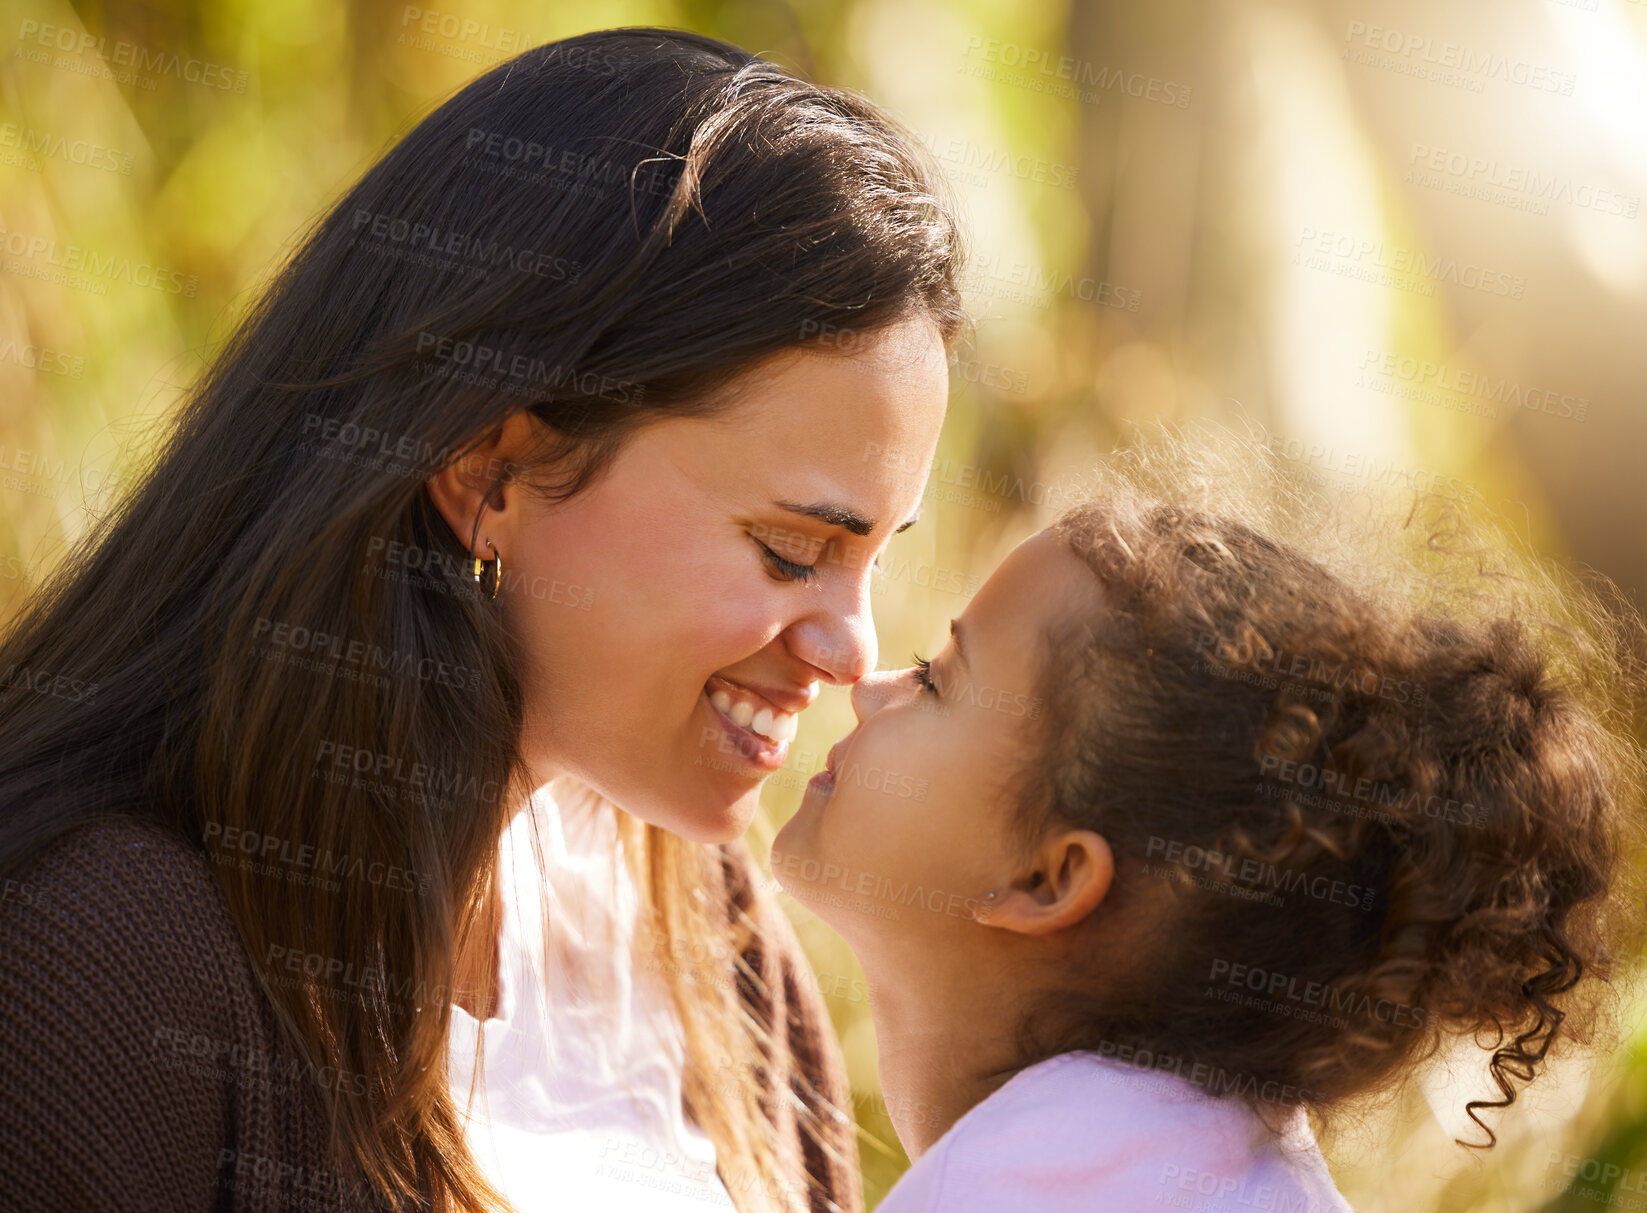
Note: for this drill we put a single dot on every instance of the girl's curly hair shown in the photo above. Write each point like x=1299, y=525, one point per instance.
x=1368, y=768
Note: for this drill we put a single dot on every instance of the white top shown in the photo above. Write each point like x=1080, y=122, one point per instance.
x=581, y=1102
x=1079, y=1133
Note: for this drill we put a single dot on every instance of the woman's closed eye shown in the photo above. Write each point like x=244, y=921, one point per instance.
x=788, y=570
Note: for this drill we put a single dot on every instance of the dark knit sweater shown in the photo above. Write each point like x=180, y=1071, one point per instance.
x=141, y=1067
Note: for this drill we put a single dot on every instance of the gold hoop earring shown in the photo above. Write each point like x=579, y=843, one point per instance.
x=495, y=572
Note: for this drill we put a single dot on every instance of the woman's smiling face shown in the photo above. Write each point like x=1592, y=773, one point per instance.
x=906, y=833
x=722, y=569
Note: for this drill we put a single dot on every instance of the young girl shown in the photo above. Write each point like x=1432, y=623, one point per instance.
x=1186, y=834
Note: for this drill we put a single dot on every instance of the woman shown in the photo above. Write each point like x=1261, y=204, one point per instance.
x=1227, y=818
x=529, y=466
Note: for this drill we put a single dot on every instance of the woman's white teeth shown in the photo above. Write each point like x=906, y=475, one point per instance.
x=773, y=725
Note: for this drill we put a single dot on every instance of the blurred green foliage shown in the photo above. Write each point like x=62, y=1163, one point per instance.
x=194, y=142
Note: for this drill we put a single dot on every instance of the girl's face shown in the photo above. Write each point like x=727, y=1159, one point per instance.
x=899, y=841
x=679, y=612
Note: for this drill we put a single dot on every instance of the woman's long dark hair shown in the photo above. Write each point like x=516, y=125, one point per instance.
x=603, y=230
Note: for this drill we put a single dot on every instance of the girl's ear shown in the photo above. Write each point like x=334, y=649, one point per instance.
x=1072, y=874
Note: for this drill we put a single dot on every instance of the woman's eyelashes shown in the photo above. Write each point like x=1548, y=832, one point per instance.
x=789, y=570
x=786, y=570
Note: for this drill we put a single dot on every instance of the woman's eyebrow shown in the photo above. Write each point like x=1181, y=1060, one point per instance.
x=841, y=516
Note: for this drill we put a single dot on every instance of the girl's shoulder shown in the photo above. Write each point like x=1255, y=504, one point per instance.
x=1079, y=1132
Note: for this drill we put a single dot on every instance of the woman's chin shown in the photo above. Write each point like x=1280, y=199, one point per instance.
x=723, y=822
x=712, y=817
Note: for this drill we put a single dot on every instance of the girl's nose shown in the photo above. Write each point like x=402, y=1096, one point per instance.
x=871, y=692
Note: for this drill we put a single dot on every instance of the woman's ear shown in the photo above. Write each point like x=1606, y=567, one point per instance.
x=1072, y=874
x=460, y=487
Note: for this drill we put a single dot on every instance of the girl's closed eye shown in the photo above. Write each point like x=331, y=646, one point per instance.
x=922, y=674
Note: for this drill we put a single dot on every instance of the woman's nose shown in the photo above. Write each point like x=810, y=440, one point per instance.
x=840, y=639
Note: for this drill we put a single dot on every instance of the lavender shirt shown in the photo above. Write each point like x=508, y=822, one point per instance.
x=1080, y=1133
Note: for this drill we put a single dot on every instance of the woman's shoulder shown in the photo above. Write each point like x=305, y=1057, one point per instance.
x=120, y=922
x=1078, y=1129
x=122, y=881
x=126, y=1006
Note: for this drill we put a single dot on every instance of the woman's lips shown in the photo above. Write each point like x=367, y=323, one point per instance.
x=758, y=751
x=773, y=719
